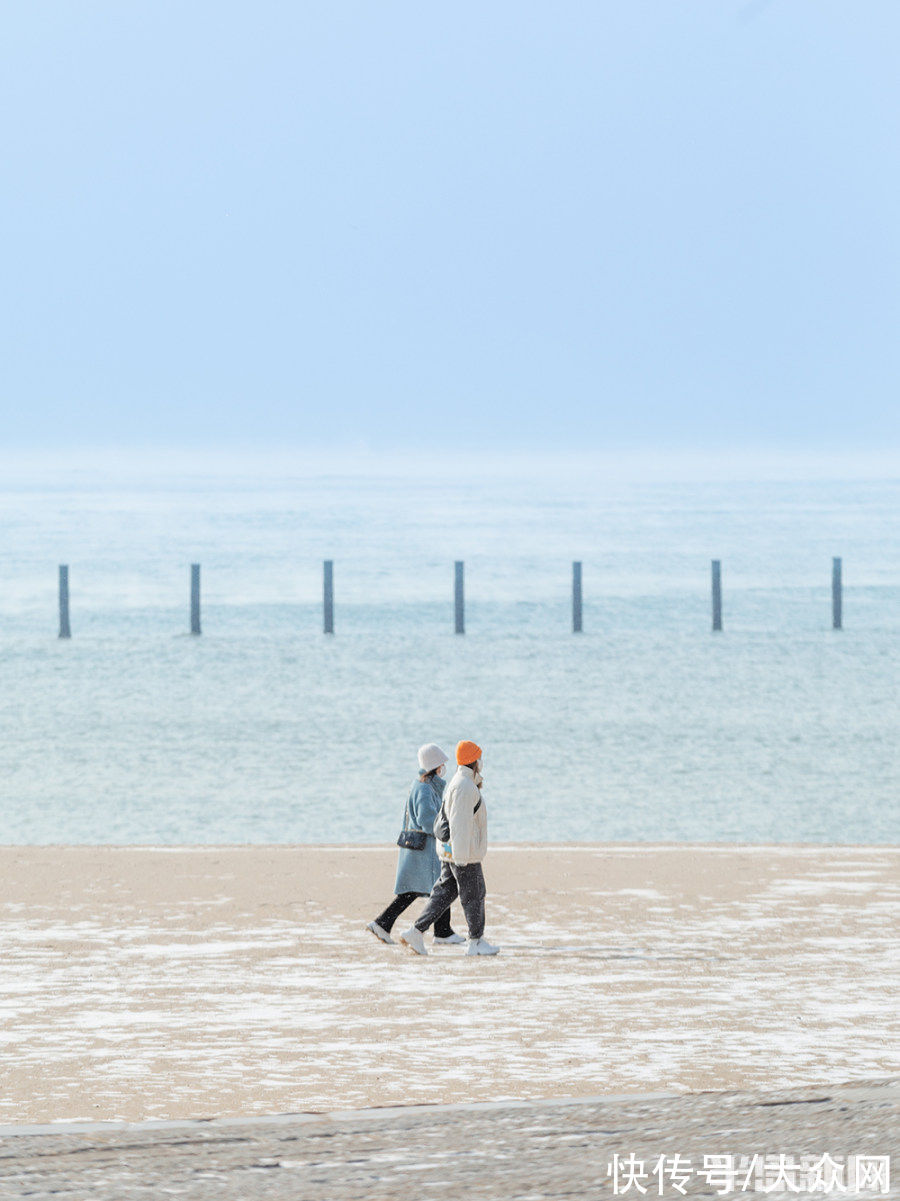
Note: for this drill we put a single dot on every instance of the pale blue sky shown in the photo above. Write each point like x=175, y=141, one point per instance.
x=577, y=224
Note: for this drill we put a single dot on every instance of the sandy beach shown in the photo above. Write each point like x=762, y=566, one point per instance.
x=512, y=1151
x=144, y=983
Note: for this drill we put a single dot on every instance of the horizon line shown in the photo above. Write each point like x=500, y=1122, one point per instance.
x=627, y=464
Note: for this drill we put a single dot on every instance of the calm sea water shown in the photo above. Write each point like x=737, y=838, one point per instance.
x=645, y=727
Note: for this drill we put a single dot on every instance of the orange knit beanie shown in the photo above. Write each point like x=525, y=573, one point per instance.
x=468, y=752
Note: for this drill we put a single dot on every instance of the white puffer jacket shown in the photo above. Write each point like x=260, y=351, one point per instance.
x=468, y=829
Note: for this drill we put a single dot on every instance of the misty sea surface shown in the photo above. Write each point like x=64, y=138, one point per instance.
x=644, y=727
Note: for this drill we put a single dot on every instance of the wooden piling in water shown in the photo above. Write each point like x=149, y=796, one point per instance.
x=717, y=594
x=459, y=600
x=576, y=597
x=65, y=630
x=195, y=598
x=328, y=595
x=837, y=597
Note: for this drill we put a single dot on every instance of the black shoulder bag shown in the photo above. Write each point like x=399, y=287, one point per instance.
x=411, y=840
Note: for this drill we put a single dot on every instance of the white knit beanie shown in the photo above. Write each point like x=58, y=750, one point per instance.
x=431, y=756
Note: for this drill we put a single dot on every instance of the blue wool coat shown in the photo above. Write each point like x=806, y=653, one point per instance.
x=417, y=871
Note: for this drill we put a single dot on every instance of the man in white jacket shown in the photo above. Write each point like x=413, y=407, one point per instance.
x=461, y=834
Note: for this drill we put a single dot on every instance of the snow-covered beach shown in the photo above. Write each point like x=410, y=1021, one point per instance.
x=183, y=982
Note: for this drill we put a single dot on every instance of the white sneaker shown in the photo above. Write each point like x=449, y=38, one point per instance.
x=451, y=940
x=380, y=933
x=481, y=946
x=415, y=940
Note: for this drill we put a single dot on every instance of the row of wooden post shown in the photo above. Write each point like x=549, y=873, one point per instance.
x=837, y=594
x=459, y=600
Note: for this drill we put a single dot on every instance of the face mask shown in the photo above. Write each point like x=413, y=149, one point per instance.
x=440, y=771
x=478, y=765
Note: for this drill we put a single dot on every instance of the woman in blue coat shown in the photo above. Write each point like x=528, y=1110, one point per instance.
x=417, y=871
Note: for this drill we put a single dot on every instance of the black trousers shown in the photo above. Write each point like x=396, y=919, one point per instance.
x=385, y=920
